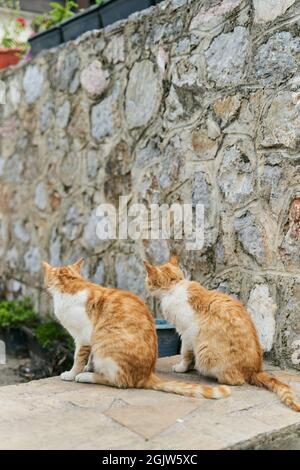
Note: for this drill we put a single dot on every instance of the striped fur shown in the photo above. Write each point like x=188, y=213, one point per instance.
x=188, y=390
x=218, y=335
x=116, y=328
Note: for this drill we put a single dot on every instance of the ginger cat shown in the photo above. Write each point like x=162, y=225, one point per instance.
x=116, y=328
x=218, y=335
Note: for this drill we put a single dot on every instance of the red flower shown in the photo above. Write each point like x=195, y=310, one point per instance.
x=21, y=21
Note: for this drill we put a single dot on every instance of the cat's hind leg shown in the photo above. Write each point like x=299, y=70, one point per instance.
x=80, y=359
x=187, y=359
x=90, y=366
x=231, y=377
x=106, y=372
x=92, y=378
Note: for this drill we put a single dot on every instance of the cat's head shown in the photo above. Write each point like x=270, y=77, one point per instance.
x=164, y=277
x=54, y=277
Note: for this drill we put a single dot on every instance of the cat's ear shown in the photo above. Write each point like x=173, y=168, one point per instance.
x=78, y=264
x=174, y=260
x=46, y=266
x=149, y=268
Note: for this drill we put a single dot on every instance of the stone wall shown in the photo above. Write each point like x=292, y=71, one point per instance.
x=190, y=101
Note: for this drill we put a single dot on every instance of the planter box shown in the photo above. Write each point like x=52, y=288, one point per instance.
x=9, y=57
x=45, y=40
x=81, y=23
x=94, y=18
x=168, y=339
x=116, y=10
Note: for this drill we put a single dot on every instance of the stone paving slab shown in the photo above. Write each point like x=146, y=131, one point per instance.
x=52, y=414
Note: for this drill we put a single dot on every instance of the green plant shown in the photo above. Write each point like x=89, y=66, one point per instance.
x=55, y=16
x=20, y=313
x=17, y=312
x=50, y=332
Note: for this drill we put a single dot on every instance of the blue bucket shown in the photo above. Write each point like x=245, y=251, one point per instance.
x=168, y=339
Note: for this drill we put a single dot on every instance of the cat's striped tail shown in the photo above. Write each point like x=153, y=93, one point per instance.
x=284, y=391
x=187, y=389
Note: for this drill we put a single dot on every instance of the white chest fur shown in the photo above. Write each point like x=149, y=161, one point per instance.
x=178, y=311
x=70, y=309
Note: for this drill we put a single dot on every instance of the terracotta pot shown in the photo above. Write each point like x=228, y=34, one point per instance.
x=9, y=57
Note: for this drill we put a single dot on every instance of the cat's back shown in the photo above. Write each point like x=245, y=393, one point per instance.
x=219, y=312
x=120, y=306
x=123, y=322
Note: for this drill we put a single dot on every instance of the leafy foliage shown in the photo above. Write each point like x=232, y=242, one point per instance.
x=20, y=312
x=50, y=332
x=55, y=16
x=17, y=312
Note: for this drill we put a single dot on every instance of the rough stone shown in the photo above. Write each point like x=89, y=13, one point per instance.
x=236, y=176
x=90, y=237
x=205, y=147
x=55, y=249
x=41, y=196
x=67, y=66
x=63, y=115
x=207, y=20
x=46, y=116
x=13, y=168
x=142, y=95
x=158, y=251
x=227, y=108
x=99, y=274
x=226, y=57
x=281, y=125
x=289, y=248
x=130, y=274
x=14, y=92
x=201, y=192
x=21, y=232
x=278, y=58
x=33, y=82
x=94, y=79
x=115, y=50
x=262, y=309
x=102, y=119
x=32, y=260
x=72, y=224
x=269, y=11
x=250, y=236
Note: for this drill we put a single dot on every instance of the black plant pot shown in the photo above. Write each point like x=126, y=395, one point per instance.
x=168, y=339
x=94, y=18
x=45, y=40
x=81, y=23
x=116, y=10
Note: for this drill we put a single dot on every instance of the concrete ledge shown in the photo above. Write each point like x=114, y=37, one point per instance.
x=52, y=414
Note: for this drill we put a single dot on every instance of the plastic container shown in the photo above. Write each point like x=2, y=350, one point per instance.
x=168, y=339
x=81, y=23
x=45, y=40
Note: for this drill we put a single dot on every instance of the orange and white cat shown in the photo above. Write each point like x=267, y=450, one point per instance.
x=116, y=328
x=218, y=335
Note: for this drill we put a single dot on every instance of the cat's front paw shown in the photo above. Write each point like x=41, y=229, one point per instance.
x=180, y=368
x=69, y=375
x=84, y=377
